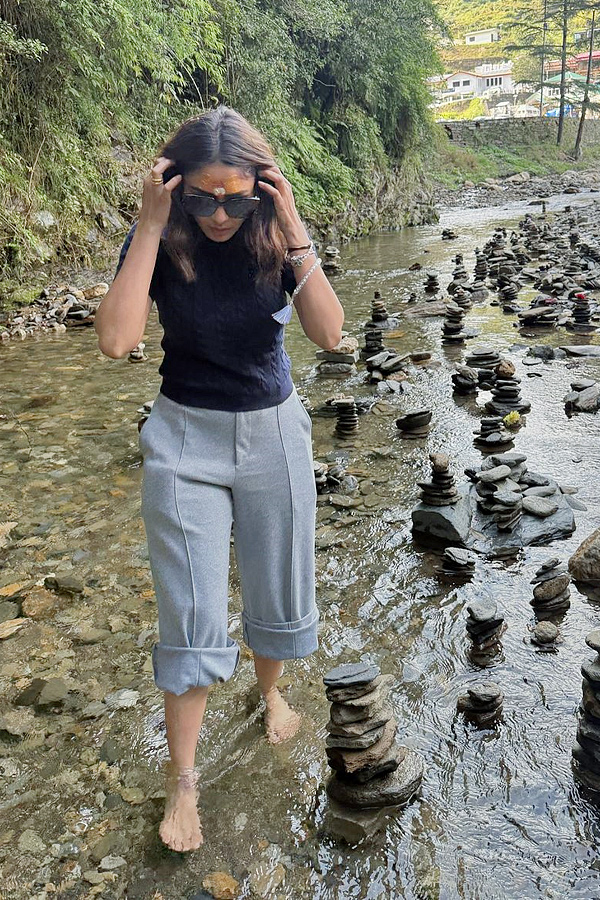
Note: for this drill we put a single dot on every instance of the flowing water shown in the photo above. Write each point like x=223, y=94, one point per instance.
x=500, y=814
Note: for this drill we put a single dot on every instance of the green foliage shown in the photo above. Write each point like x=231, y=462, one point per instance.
x=466, y=109
x=336, y=85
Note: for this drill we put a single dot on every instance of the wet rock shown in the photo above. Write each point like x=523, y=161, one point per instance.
x=351, y=674
x=221, y=886
x=111, y=751
x=584, y=564
x=544, y=633
x=122, y=699
x=449, y=524
x=393, y=789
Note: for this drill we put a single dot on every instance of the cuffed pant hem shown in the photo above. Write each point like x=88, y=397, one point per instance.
x=282, y=640
x=177, y=669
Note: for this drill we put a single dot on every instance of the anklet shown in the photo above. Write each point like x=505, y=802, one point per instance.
x=186, y=776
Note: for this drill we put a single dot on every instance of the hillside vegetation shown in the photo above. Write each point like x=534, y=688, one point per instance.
x=91, y=89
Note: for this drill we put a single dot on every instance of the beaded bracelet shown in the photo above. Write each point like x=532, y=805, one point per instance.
x=298, y=260
x=284, y=315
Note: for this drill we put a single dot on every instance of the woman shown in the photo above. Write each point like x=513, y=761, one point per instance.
x=228, y=441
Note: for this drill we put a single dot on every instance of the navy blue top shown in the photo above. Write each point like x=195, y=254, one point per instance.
x=222, y=348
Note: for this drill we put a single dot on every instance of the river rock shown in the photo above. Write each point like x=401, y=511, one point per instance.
x=349, y=761
x=394, y=789
x=584, y=564
x=340, y=695
x=351, y=674
x=547, y=590
x=539, y=506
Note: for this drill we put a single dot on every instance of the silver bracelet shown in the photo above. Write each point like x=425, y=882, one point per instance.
x=298, y=260
x=301, y=284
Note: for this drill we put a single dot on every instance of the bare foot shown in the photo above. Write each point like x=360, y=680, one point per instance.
x=180, y=827
x=281, y=721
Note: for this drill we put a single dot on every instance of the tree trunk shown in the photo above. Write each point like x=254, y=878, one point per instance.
x=586, y=101
x=563, y=72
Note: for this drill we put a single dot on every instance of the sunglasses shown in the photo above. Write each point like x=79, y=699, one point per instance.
x=235, y=207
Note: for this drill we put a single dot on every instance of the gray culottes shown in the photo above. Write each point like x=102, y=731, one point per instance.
x=206, y=470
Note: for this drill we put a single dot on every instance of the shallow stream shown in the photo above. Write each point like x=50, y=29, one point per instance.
x=500, y=814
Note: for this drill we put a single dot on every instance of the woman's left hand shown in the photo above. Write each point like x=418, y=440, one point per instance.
x=285, y=206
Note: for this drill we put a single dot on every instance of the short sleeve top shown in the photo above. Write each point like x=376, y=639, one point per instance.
x=222, y=347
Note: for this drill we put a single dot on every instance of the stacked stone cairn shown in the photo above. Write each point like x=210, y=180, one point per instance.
x=465, y=380
x=582, y=313
x=373, y=343
x=492, y=435
x=542, y=313
x=498, y=490
x=137, y=354
x=333, y=478
x=459, y=275
x=462, y=298
x=452, y=329
x=415, y=424
x=386, y=364
x=545, y=636
x=144, y=412
x=551, y=592
x=586, y=749
x=340, y=361
x=485, y=360
x=485, y=626
x=584, y=396
x=457, y=565
x=508, y=295
x=481, y=267
x=448, y=234
x=379, y=312
x=482, y=704
x=347, y=417
x=370, y=769
x=331, y=261
x=441, y=490
x=506, y=393
x=432, y=283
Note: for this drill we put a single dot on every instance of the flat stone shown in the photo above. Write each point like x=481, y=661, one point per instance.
x=459, y=556
x=512, y=458
x=582, y=350
x=483, y=693
x=390, y=790
x=482, y=610
x=349, y=761
x=539, y=506
x=494, y=475
x=369, y=701
x=545, y=491
x=350, y=674
x=340, y=695
x=357, y=729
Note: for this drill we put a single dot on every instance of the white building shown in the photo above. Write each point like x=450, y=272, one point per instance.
x=484, y=81
x=486, y=36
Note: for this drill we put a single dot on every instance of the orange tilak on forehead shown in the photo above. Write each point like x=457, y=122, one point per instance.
x=233, y=184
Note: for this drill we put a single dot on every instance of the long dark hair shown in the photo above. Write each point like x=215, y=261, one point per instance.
x=223, y=135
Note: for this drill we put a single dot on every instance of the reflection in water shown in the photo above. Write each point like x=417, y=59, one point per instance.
x=500, y=815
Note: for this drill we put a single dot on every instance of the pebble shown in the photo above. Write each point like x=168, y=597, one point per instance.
x=544, y=633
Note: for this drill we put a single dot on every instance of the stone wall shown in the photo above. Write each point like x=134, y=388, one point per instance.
x=514, y=132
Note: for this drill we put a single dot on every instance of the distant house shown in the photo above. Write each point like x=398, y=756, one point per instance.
x=486, y=36
x=577, y=63
x=484, y=80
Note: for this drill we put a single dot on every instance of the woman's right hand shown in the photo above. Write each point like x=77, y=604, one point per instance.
x=156, y=198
